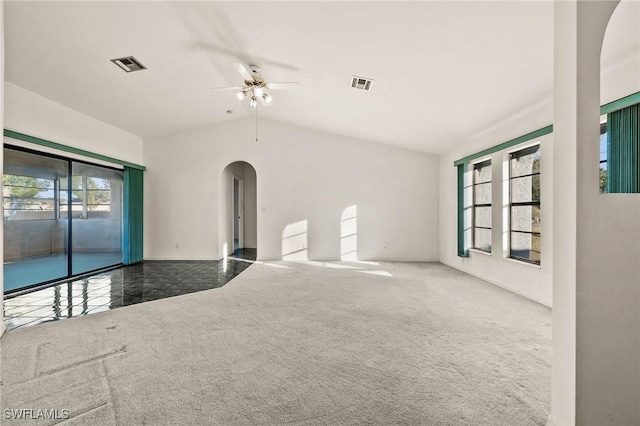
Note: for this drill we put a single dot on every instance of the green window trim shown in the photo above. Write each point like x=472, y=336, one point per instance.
x=604, y=109
x=506, y=145
x=621, y=103
x=462, y=163
x=66, y=148
x=463, y=250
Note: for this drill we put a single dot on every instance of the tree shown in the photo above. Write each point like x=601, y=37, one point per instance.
x=603, y=180
x=23, y=186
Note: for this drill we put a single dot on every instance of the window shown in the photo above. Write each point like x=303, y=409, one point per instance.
x=90, y=198
x=603, y=157
x=28, y=197
x=482, y=206
x=524, y=204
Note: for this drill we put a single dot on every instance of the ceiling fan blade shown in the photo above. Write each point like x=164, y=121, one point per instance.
x=288, y=85
x=228, y=88
x=243, y=71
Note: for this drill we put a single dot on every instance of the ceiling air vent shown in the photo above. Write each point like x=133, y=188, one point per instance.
x=129, y=64
x=361, y=83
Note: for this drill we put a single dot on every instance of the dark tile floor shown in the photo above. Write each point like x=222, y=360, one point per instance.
x=143, y=282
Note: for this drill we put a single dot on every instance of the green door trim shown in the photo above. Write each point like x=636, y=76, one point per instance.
x=67, y=148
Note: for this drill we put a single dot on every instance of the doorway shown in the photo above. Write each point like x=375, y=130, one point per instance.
x=237, y=224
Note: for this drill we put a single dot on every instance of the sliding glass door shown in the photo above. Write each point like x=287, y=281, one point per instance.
x=35, y=237
x=42, y=241
x=97, y=217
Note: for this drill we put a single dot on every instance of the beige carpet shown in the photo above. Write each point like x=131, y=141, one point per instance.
x=294, y=344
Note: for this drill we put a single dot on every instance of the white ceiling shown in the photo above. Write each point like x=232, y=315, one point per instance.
x=442, y=70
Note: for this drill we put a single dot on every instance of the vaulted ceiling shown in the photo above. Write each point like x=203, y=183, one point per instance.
x=441, y=70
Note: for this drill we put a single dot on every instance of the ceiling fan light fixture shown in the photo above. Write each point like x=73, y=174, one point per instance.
x=267, y=98
x=258, y=91
x=241, y=95
x=253, y=102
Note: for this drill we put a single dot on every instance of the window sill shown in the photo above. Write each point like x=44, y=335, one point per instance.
x=479, y=251
x=522, y=262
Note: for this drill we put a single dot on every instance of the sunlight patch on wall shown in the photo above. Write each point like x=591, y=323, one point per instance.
x=295, y=241
x=349, y=234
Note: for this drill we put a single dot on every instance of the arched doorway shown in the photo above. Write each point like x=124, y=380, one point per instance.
x=238, y=211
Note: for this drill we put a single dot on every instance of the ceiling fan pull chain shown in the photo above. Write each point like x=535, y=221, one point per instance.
x=256, y=123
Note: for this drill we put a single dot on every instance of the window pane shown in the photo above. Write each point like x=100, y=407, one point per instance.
x=482, y=172
x=525, y=189
x=482, y=239
x=468, y=196
x=603, y=147
x=482, y=217
x=535, y=219
x=525, y=218
x=467, y=217
x=483, y=193
x=603, y=158
x=525, y=246
x=525, y=162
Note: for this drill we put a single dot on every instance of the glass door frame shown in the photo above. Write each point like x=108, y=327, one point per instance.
x=69, y=235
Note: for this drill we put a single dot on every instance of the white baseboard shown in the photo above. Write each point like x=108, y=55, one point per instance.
x=533, y=299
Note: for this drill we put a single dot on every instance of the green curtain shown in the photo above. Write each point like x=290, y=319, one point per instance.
x=623, y=150
x=133, y=216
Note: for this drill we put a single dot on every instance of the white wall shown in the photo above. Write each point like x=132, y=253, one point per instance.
x=250, y=207
x=620, y=71
x=301, y=175
x=596, y=316
x=29, y=113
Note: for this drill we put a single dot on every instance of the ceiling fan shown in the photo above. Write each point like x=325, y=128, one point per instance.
x=254, y=86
